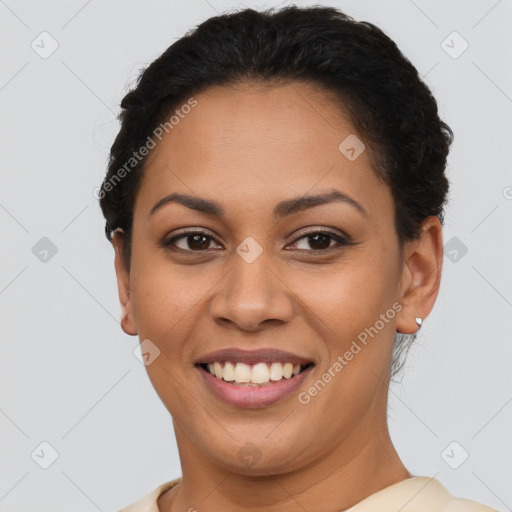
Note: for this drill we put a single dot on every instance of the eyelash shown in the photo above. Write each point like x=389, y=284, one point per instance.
x=341, y=240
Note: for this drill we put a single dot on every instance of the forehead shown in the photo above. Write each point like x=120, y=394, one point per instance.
x=254, y=143
x=249, y=118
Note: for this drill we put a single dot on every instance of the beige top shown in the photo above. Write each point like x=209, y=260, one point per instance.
x=416, y=494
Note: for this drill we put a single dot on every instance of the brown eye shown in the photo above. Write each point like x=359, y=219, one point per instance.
x=190, y=241
x=198, y=242
x=317, y=241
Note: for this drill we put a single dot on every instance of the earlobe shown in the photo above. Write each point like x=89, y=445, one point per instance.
x=419, y=322
x=128, y=326
x=128, y=323
x=421, y=277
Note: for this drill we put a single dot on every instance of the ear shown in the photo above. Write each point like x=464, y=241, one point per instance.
x=128, y=323
x=421, y=276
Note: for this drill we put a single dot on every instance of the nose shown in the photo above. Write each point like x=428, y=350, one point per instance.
x=252, y=294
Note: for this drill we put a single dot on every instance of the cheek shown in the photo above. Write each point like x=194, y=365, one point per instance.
x=350, y=295
x=351, y=310
x=163, y=295
x=353, y=314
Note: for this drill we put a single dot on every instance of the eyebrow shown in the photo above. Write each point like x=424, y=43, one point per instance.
x=281, y=210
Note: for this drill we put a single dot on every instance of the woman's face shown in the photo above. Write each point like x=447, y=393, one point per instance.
x=256, y=280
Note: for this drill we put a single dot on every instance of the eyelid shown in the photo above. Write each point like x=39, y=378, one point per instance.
x=341, y=240
x=167, y=242
x=340, y=237
x=312, y=230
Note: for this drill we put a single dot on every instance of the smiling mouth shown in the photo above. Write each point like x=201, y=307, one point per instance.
x=253, y=375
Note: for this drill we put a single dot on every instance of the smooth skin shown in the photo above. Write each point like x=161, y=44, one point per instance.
x=249, y=147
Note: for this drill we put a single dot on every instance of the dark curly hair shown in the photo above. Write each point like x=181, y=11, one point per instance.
x=391, y=108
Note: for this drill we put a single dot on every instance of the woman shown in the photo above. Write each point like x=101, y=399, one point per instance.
x=275, y=200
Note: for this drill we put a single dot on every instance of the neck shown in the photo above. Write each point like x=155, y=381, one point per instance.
x=353, y=470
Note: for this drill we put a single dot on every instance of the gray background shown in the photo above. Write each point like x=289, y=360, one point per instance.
x=68, y=374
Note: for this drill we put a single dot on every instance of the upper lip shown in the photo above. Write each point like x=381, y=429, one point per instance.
x=269, y=355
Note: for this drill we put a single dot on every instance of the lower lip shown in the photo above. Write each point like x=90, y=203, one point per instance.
x=253, y=396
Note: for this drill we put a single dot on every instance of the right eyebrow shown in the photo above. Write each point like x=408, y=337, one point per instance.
x=206, y=206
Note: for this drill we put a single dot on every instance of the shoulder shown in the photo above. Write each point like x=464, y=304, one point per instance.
x=450, y=503
x=148, y=503
x=463, y=505
x=417, y=494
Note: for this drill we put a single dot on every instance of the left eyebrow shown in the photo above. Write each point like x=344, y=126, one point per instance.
x=298, y=204
x=282, y=209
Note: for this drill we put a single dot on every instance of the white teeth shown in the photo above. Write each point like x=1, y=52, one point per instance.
x=276, y=371
x=242, y=372
x=259, y=373
x=229, y=372
x=218, y=370
x=287, y=370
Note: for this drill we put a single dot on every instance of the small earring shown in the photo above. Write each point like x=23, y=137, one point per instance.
x=419, y=321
